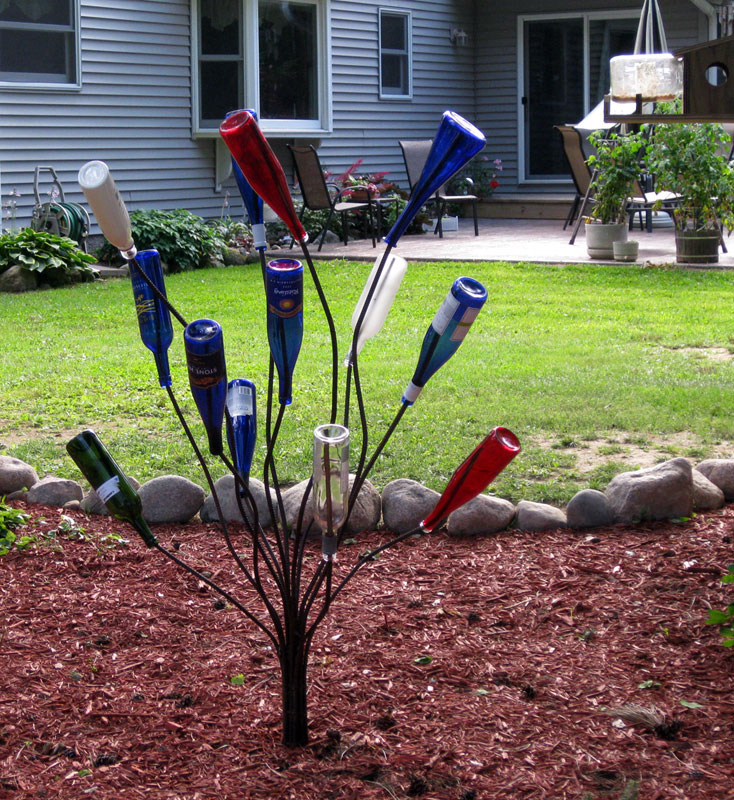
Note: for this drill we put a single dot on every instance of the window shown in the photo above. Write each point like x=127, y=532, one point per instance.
x=39, y=43
x=395, y=46
x=565, y=68
x=263, y=54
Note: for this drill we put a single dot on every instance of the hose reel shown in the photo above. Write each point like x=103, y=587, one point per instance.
x=58, y=216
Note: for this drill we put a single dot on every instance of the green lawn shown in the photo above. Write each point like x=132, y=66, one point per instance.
x=569, y=358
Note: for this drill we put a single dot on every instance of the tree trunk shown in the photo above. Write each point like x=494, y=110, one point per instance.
x=295, y=710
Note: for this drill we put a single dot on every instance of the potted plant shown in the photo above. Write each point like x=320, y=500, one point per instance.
x=691, y=161
x=616, y=169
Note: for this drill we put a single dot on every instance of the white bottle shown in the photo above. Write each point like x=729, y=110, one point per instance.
x=381, y=302
x=109, y=208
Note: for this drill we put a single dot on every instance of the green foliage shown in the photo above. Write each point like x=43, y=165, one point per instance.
x=617, y=161
x=183, y=239
x=688, y=159
x=478, y=177
x=725, y=618
x=10, y=520
x=56, y=259
x=233, y=232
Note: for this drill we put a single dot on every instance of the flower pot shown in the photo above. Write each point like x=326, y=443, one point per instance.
x=600, y=238
x=362, y=196
x=697, y=247
x=626, y=251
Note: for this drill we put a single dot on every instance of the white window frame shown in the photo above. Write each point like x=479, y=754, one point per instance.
x=586, y=17
x=53, y=86
x=251, y=80
x=408, y=17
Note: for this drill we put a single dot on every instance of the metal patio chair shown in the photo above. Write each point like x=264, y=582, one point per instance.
x=580, y=173
x=415, y=153
x=319, y=196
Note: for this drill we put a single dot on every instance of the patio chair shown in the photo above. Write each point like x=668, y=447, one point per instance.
x=319, y=196
x=580, y=173
x=415, y=153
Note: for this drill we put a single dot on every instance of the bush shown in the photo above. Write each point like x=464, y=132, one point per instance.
x=725, y=618
x=56, y=259
x=234, y=233
x=183, y=239
x=10, y=520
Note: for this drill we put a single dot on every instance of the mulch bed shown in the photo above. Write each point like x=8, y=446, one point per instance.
x=452, y=668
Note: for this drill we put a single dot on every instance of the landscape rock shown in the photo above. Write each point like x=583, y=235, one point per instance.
x=170, y=498
x=664, y=491
x=233, y=257
x=706, y=495
x=15, y=475
x=53, y=491
x=226, y=489
x=531, y=516
x=482, y=515
x=406, y=503
x=589, y=508
x=365, y=515
x=720, y=471
x=92, y=504
x=17, y=279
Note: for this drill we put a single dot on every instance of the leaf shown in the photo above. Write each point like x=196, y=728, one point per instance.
x=717, y=617
x=84, y=772
x=482, y=692
x=237, y=680
x=690, y=704
x=648, y=685
x=423, y=660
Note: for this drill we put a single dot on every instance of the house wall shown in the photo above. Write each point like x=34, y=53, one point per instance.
x=134, y=108
x=497, y=70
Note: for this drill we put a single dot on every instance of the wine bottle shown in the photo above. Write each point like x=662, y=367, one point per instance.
x=284, y=289
x=474, y=474
x=108, y=480
x=154, y=319
x=261, y=168
x=252, y=201
x=330, y=483
x=446, y=332
x=241, y=420
x=456, y=142
x=204, y=346
x=101, y=192
x=381, y=302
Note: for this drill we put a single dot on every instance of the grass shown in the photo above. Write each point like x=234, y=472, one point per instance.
x=563, y=356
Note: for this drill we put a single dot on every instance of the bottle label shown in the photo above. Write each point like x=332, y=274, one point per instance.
x=239, y=401
x=445, y=314
x=109, y=488
x=206, y=370
x=463, y=325
x=285, y=294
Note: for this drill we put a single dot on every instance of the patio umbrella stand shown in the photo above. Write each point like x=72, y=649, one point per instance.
x=295, y=592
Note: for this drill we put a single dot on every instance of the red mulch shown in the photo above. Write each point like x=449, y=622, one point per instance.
x=115, y=671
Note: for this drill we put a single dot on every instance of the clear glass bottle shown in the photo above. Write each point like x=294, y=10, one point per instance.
x=330, y=483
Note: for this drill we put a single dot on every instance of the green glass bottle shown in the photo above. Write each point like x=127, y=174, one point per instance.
x=108, y=480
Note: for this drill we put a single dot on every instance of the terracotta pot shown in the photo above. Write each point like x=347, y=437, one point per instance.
x=600, y=238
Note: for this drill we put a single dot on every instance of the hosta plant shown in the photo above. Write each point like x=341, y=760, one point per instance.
x=56, y=260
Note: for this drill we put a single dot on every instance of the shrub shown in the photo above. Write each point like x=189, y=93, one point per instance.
x=10, y=520
x=725, y=618
x=233, y=232
x=56, y=259
x=183, y=239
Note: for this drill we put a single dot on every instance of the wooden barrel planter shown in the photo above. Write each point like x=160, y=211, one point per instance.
x=697, y=247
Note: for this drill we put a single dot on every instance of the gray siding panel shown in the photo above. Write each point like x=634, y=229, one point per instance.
x=134, y=107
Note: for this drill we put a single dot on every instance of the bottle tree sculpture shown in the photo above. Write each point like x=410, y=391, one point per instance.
x=295, y=593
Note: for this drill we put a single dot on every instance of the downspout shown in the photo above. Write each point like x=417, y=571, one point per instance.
x=710, y=11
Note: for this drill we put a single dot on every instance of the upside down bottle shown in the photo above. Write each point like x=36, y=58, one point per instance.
x=241, y=420
x=154, y=319
x=446, y=332
x=108, y=480
x=284, y=288
x=207, y=376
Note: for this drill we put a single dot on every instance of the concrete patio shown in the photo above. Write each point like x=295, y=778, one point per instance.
x=535, y=240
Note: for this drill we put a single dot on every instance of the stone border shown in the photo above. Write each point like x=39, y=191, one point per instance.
x=671, y=490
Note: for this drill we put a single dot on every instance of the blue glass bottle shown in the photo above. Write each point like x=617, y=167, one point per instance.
x=207, y=376
x=284, y=289
x=154, y=319
x=446, y=332
x=252, y=201
x=241, y=417
x=456, y=142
